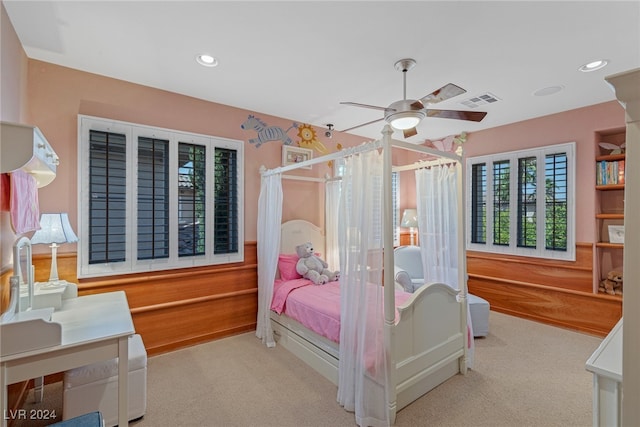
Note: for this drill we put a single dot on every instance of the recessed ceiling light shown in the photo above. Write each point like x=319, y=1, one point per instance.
x=206, y=60
x=548, y=90
x=594, y=65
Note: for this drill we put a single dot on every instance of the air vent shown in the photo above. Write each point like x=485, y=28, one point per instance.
x=477, y=101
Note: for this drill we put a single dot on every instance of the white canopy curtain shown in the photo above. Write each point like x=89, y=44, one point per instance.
x=332, y=204
x=269, y=220
x=438, y=226
x=363, y=371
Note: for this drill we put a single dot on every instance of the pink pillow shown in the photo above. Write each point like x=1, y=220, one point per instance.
x=287, y=266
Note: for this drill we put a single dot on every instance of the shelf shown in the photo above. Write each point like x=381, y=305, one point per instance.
x=610, y=245
x=610, y=216
x=604, y=295
x=610, y=187
x=609, y=198
x=610, y=157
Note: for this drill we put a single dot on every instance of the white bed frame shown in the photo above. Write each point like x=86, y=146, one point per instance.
x=427, y=345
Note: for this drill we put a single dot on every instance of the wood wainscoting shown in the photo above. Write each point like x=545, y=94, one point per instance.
x=555, y=292
x=177, y=308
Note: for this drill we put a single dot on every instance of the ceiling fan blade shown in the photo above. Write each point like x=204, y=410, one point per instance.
x=410, y=132
x=363, y=124
x=472, y=116
x=355, y=104
x=445, y=92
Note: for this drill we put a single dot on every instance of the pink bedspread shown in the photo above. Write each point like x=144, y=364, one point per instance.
x=315, y=306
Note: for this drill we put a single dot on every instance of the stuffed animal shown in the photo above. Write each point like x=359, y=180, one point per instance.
x=313, y=267
x=612, y=285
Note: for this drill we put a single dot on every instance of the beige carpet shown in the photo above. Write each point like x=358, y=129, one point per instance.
x=526, y=374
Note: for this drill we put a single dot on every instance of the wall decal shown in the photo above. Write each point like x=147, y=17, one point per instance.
x=449, y=144
x=308, y=139
x=267, y=133
x=338, y=148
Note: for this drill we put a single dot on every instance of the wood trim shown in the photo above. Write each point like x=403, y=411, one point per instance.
x=586, y=312
x=177, y=308
x=573, y=275
x=405, y=238
x=555, y=292
x=176, y=304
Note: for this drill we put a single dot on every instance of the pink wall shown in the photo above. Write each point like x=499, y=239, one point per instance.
x=58, y=94
x=13, y=108
x=577, y=125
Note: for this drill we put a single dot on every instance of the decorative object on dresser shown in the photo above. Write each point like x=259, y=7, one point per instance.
x=55, y=230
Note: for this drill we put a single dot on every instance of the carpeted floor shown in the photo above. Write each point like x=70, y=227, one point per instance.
x=525, y=374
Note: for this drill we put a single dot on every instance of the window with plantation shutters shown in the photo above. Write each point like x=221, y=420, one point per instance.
x=157, y=199
x=153, y=198
x=191, y=199
x=395, y=185
x=226, y=201
x=106, y=203
x=525, y=203
x=478, y=203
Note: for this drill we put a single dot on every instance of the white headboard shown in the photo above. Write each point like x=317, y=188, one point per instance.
x=299, y=231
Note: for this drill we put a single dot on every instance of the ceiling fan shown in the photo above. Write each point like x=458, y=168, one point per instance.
x=405, y=114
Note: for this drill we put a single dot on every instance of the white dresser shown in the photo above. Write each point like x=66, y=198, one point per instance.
x=606, y=365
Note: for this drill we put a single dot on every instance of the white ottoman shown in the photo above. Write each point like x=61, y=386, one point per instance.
x=95, y=387
x=479, y=309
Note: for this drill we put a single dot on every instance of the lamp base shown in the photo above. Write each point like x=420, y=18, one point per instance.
x=53, y=275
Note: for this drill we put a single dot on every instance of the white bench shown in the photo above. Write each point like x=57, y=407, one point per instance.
x=479, y=309
x=95, y=387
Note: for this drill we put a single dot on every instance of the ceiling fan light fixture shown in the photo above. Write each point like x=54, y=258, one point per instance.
x=405, y=120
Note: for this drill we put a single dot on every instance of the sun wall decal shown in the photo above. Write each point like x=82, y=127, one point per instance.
x=308, y=139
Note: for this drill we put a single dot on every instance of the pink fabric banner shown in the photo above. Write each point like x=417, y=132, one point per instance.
x=24, y=207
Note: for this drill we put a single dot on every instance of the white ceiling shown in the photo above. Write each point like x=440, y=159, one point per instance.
x=298, y=60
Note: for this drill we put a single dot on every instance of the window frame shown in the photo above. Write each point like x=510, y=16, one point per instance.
x=512, y=248
x=132, y=264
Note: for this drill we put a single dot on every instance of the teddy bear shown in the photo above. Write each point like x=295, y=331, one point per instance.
x=312, y=267
x=612, y=285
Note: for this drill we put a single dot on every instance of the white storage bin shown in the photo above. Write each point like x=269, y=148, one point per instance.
x=95, y=387
x=479, y=309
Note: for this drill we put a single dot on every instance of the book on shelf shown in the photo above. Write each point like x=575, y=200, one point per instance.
x=610, y=172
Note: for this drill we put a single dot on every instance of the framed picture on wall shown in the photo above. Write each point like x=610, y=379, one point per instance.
x=292, y=155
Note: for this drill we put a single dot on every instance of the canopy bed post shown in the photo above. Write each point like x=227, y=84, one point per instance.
x=462, y=266
x=388, y=279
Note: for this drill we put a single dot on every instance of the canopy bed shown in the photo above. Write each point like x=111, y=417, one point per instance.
x=390, y=347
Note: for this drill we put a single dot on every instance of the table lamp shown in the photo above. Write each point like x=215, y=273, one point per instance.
x=410, y=220
x=54, y=230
